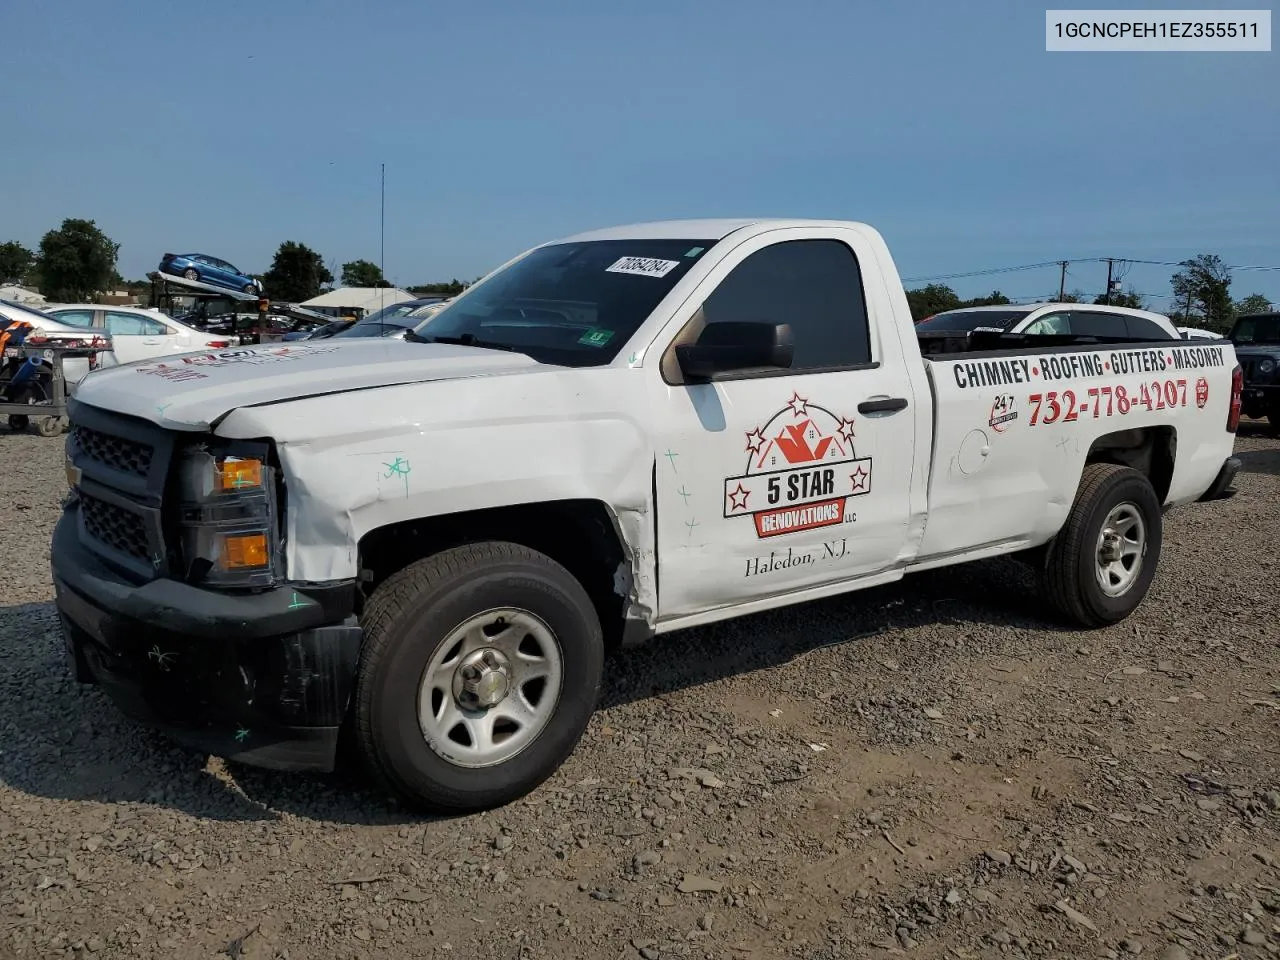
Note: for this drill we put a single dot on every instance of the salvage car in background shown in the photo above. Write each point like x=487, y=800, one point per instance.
x=44, y=324
x=138, y=334
x=1198, y=333
x=1256, y=338
x=392, y=325
x=1054, y=319
x=206, y=269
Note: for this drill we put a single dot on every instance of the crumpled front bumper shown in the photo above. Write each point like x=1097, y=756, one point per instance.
x=262, y=678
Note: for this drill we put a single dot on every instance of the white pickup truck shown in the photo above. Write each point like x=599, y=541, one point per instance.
x=432, y=543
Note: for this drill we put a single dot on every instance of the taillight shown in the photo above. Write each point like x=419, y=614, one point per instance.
x=218, y=344
x=1237, y=399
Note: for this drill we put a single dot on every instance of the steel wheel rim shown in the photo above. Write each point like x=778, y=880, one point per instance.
x=514, y=660
x=1122, y=546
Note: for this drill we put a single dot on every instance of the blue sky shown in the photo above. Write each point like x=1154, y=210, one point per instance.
x=226, y=128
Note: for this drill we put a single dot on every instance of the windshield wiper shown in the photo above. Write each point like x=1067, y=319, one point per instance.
x=465, y=340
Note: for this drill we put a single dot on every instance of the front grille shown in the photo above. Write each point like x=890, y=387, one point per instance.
x=118, y=528
x=118, y=453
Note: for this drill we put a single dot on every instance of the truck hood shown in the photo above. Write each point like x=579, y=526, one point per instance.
x=193, y=391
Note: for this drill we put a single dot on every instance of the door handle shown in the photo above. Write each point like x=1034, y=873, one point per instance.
x=887, y=405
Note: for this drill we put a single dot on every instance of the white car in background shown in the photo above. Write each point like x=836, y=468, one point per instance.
x=1076, y=319
x=1197, y=333
x=138, y=333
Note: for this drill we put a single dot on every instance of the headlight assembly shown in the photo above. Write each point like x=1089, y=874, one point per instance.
x=227, y=515
x=1266, y=366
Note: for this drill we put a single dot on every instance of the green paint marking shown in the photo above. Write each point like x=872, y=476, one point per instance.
x=684, y=493
x=633, y=358
x=691, y=524
x=242, y=734
x=399, y=468
x=671, y=455
x=297, y=602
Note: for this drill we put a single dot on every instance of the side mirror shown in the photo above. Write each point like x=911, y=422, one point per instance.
x=735, y=345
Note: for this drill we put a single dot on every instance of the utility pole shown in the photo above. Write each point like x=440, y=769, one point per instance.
x=1062, y=282
x=382, y=239
x=1107, y=296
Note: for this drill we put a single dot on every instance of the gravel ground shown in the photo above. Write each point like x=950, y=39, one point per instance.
x=933, y=770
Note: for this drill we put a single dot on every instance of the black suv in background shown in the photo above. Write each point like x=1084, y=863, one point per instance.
x=1257, y=341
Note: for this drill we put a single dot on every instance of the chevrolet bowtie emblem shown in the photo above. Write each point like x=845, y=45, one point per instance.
x=73, y=473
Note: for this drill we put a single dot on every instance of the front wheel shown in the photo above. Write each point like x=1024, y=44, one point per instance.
x=249, y=288
x=480, y=669
x=191, y=273
x=1100, y=565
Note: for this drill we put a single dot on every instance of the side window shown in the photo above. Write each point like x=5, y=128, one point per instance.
x=132, y=325
x=1096, y=323
x=75, y=318
x=1050, y=323
x=1139, y=328
x=813, y=285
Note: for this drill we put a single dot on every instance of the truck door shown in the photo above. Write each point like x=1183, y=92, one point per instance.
x=772, y=482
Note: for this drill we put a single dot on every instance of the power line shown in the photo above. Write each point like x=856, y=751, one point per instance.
x=992, y=271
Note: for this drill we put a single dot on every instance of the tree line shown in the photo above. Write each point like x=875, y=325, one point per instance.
x=77, y=261
x=1201, y=290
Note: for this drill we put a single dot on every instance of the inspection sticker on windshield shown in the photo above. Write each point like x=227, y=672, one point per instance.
x=643, y=266
x=595, y=337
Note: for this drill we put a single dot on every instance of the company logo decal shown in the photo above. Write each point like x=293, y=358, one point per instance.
x=1003, y=413
x=801, y=471
x=187, y=367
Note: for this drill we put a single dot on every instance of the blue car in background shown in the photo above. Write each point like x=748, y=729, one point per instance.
x=207, y=269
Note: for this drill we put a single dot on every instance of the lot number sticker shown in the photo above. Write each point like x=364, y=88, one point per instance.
x=643, y=266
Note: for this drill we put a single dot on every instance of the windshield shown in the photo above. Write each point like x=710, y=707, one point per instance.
x=966, y=321
x=1260, y=329
x=573, y=304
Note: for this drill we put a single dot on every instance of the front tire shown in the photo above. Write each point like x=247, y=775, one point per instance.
x=191, y=273
x=479, y=671
x=1100, y=565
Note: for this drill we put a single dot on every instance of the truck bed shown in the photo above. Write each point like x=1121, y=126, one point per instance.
x=1016, y=418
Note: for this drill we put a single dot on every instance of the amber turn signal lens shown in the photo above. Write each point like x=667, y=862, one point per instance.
x=233, y=475
x=242, y=551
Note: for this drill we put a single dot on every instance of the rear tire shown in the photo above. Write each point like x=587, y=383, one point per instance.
x=191, y=273
x=1100, y=565
x=430, y=621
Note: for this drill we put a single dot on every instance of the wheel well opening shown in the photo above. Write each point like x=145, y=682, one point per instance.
x=580, y=535
x=1149, y=450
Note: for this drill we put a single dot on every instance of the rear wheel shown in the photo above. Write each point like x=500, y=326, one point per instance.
x=1100, y=566
x=191, y=273
x=479, y=671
